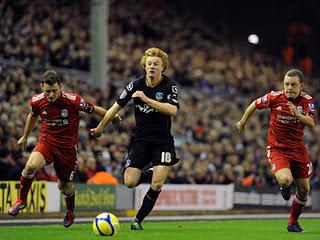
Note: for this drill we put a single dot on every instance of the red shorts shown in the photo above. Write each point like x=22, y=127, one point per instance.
x=64, y=159
x=296, y=160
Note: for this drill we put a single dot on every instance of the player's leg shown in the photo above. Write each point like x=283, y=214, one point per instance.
x=132, y=177
x=298, y=204
x=285, y=179
x=301, y=171
x=280, y=167
x=160, y=174
x=34, y=163
x=67, y=190
x=65, y=167
x=135, y=161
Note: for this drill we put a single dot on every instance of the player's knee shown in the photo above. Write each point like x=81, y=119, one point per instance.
x=156, y=185
x=30, y=170
x=130, y=182
x=66, y=189
x=284, y=181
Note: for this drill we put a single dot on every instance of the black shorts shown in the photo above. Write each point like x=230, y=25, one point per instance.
x=142, y=152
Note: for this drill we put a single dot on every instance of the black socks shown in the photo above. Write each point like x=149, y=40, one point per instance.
x=148, y=203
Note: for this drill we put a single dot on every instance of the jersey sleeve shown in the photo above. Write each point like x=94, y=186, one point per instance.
x=264, y=101
x=82, y=104
x=126, y=94
x=309, y=109
x=172, y=95
x=33, y=109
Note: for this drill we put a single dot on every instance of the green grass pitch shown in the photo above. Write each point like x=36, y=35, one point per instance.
x=180, y=230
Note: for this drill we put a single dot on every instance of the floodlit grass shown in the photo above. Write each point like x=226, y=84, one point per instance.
x=182, y=230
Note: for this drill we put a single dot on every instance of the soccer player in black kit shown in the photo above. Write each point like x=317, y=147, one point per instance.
x=155, y=99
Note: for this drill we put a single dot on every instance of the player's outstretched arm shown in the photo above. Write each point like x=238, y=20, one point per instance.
x=241, y=125
x=30, y=122
x=99, y=111
x=165, y=108
x=109, y=116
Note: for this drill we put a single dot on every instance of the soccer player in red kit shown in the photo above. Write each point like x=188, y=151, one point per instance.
x=58, y=139
x=291, y=110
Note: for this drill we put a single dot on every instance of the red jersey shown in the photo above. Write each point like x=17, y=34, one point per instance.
x=285, y=130
x=60, y=119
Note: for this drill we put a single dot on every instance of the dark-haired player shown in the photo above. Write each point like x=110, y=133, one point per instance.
x=291, y=110
x=59, y=112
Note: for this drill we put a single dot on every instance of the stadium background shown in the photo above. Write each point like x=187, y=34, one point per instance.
x=218, y=71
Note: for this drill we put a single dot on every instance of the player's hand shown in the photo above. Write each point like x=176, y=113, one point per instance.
x=116, y=121
x=22, y=142
x=292, y=108
x=141, y=95
x=241, y=126
x=95, y=132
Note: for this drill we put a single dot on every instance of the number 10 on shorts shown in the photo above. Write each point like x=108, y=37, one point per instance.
x=166, y=157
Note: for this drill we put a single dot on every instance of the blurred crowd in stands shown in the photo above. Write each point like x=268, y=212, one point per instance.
x=218, y=77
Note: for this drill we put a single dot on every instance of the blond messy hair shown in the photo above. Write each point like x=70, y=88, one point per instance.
x=155, y=52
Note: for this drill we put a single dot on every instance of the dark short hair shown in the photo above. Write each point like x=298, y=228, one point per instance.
x=50, y=77
x=295, y=73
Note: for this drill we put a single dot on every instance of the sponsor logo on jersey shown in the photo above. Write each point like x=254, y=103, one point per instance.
x=64, y=113
x=286, y=119
x=56, y=122
x=82, y=103
x=123, y=94
x=159, y=96
x=145, y=108
x=129, y=86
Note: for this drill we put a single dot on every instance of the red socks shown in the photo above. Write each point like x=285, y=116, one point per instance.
x=297, y=207
x=70, y=202
x=25, y=184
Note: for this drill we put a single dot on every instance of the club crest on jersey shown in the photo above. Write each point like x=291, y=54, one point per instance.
x=299, y=109
x=159, y=96
x=64, y=113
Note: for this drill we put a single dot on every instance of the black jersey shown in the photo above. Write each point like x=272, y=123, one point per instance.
x=151, y=124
